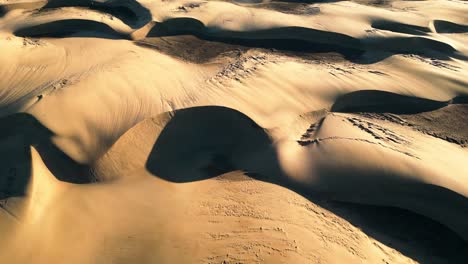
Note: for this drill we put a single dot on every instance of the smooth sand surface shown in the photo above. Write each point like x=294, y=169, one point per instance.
x=233, y=131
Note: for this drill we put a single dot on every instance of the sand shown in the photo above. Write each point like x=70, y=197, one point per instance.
x=233, y=131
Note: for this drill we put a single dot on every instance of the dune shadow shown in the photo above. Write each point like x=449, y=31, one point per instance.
x=384, y=102
x=460, y=100
x=300, y=39
x=400, y=27
x=442, y=26
x=131, y=12
x=204, y=142
x=416, y=236
x=17, y=134
x=411, y=45
x=286, y=38
x=71, y=28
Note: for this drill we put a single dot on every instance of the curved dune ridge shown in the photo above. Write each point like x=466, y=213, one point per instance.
x=131, y=12
x=63, y=28
x=200, y=143
x=384, y=102
x=298, y=38
x=233, y=131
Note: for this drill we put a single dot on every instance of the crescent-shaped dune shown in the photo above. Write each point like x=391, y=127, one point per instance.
x=147, y=131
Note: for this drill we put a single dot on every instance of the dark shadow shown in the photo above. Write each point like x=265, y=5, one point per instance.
x=3, y=11
x=131, y=12
x=383, y=102
x=231, y=136
x=460, y=100
x=411, y=45
x=287, y=38
x=299, y=39
x=203, y=142
x=412, y=234
x=400, y=27
x=17, y=134
x=71, y=28
x=442, y=26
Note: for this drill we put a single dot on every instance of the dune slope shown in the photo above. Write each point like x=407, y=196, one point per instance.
x=146, y=131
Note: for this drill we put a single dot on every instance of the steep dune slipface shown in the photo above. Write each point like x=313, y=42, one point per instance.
x=233, y=131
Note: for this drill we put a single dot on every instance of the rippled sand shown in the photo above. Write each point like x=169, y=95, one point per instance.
x=233, y=131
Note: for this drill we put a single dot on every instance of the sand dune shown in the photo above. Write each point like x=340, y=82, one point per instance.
x=233, y=131
x=131, y=12
x=69, y=27
x=384, y=102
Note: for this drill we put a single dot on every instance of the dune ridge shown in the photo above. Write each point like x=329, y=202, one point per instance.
x=233, y=131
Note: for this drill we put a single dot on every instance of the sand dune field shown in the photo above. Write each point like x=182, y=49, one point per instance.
x=169, y=131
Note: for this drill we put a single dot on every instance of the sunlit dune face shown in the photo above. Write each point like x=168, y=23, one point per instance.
x=147, y=131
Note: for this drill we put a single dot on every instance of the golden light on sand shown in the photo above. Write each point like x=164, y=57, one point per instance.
x=147, y=131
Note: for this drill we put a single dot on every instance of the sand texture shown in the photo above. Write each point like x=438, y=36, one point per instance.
x=168, y=131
